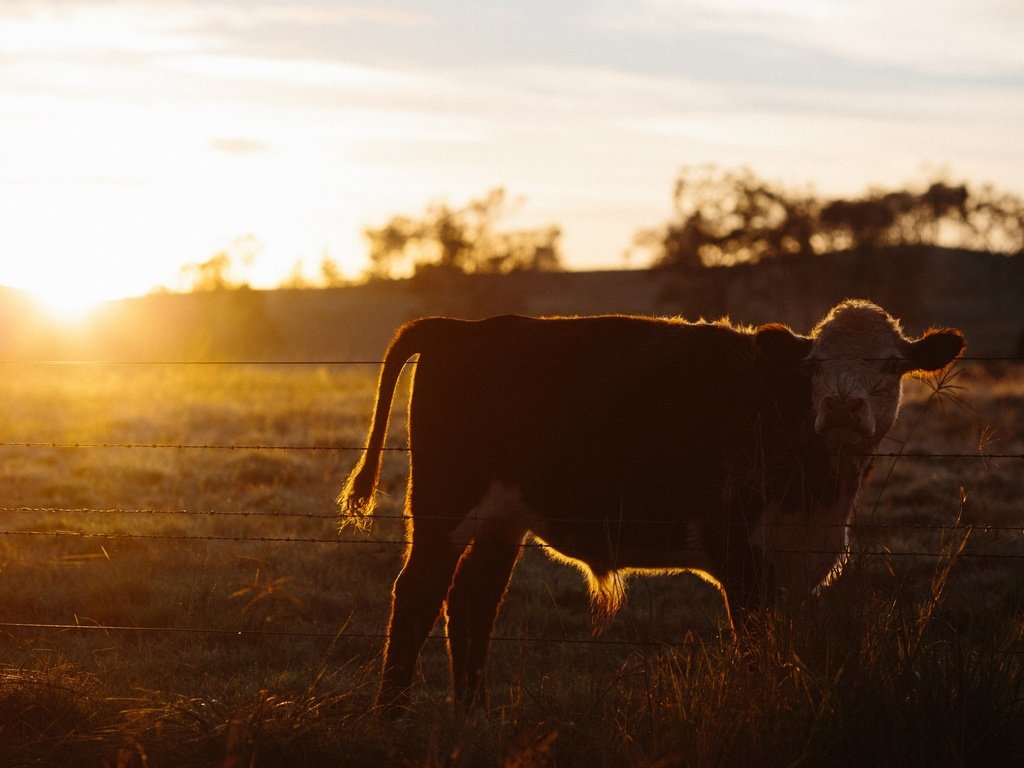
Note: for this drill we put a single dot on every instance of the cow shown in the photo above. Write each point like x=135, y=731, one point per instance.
x=623, y=445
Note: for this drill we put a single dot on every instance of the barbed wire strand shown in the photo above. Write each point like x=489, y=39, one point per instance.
x=397, y=449
x=258, y=634
x=198, y=446
x=237, y=539
x=379, y=362
x=976, y=528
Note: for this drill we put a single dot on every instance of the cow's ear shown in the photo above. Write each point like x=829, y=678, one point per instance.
x=935, y=350
x=780, y=345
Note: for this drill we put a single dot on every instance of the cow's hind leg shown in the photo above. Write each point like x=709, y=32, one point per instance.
x=480, y=582
x=416, y=602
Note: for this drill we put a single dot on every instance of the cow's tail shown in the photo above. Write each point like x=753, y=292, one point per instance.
x=356, y=500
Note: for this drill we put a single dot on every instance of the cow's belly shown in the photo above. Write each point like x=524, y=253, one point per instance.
x=655, y=555
x=603, y=544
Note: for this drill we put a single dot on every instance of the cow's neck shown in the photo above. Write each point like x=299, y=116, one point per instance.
x=848, y=473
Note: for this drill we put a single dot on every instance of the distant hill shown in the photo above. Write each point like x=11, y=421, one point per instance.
x=980, y=292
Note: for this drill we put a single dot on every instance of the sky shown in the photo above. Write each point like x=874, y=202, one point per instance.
x=140, y=135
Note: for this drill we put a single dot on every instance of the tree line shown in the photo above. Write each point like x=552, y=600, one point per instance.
x=723, y=218
x=720, y=218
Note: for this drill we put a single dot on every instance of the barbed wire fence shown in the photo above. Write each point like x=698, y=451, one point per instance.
x=999, y=532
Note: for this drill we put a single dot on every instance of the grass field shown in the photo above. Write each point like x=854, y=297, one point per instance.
x=202, y=609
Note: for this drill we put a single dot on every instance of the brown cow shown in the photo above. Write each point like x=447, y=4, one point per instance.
x=626, y=444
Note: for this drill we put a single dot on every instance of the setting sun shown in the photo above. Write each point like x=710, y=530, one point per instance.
x=55, y=267
x=65, y=303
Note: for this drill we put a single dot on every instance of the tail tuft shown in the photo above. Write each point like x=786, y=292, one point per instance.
x=357, y=499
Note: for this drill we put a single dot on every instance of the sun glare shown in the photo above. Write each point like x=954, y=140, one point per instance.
x=66, y=303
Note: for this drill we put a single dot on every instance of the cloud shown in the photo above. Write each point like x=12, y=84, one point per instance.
x=311, y=14
x=171, y=26
x=35, y=28
x=939, y=37
x=314, y=73
x=240, y=146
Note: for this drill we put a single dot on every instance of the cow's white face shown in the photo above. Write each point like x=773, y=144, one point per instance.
x=857, y=360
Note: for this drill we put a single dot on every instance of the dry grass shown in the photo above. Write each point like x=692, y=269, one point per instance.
x=907, y=660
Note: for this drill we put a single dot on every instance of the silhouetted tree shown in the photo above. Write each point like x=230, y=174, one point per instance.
x=461, y=240
x=725, y=218
x=297, y=277
x=217, y=272
x=209, y=275
x=904, y=217
x=389, y=244
x=997, y=219
x=330, y=273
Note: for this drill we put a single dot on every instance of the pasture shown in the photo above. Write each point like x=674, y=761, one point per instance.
x=176, y=593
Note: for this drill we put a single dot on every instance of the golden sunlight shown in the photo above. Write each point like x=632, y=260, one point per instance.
x=57, y=265
x=66, y=303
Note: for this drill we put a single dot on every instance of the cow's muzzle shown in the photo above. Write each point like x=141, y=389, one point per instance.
x=845, y=421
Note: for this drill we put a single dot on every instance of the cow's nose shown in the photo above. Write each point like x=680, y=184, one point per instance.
x=844, y=419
